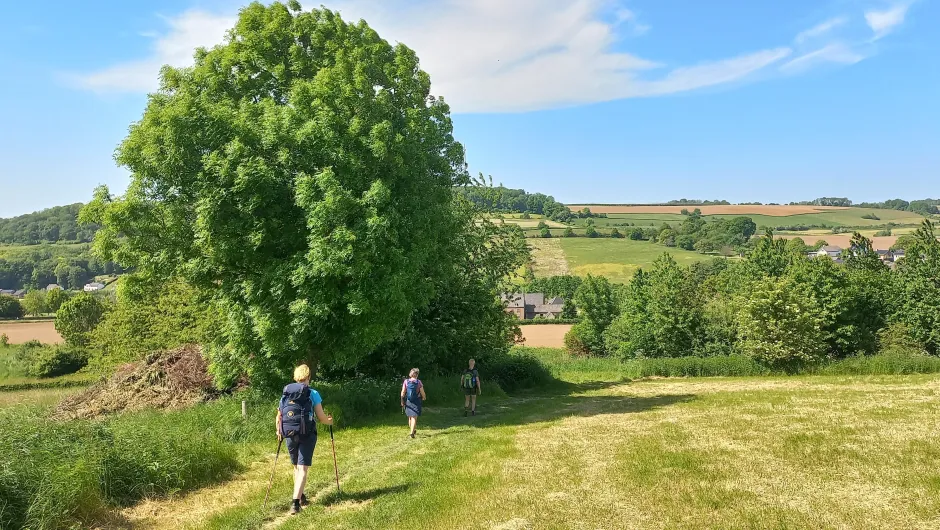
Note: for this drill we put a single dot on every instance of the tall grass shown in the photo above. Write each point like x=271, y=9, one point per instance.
x=59, y=474
x=578, y=369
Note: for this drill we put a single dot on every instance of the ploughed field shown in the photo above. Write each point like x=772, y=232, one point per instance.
x=20, y=332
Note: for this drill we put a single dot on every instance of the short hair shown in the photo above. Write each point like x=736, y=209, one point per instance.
x=414, y=372
x=472, y=361
x=301, y=373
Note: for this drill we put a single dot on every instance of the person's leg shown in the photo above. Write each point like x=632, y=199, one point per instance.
x=466, y=403
x=300, y=480
x=473, y=403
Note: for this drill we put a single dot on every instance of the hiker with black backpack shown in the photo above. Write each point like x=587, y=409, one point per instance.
x=298, y=407
x=470, y=382
x=412, y=398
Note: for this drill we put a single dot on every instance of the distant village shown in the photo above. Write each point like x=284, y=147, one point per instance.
x=21, y=293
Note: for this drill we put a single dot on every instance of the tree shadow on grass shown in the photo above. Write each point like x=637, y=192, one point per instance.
x=360, y=496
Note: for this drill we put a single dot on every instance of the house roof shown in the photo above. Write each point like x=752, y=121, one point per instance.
x=534, y=298
x=95, y=284
x=547, y=308
x=831, y=248
x=882, y=252
x=52, y=286
x=7, y=291
x=20, y=292
x=513, y=300
x=557, y=301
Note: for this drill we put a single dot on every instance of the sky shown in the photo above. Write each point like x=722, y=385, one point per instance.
x=599, y=101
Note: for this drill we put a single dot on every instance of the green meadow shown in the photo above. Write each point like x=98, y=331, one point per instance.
x=618, y=259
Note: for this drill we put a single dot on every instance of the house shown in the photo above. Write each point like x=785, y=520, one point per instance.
x=7, y=292
x=52, y=287
x=830, y=251
x=528, y=306
x=93, y=286
x=897, y=254
x=515, y=305
x=20, y=294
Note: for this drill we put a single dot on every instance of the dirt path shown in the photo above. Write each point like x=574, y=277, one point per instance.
x=20, y=332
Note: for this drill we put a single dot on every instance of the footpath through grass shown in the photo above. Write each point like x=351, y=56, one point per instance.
x=601, y=451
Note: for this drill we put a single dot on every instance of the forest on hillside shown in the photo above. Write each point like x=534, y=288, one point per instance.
x=56, y=224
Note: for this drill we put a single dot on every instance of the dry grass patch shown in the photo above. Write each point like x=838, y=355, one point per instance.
x=548, y=258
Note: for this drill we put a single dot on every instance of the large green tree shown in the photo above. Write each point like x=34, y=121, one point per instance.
x=78, y=317
x=302, y=172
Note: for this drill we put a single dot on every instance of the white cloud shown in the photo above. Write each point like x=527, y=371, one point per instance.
x=884, y=22
x=483, y=55
x=187, y=32
x=837, y=52
x=820, y=29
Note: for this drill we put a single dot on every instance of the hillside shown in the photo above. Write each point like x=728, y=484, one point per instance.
x=59, y=223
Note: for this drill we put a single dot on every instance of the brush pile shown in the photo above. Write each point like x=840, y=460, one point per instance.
x=163, y=380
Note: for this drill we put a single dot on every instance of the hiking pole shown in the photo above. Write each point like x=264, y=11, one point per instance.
x=277, y=454
x=335, y=468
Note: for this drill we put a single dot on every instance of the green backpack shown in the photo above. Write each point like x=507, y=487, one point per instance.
x=469, y=381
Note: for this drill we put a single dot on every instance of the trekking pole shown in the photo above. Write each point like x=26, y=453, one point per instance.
x=277, y=454
x=335, y=468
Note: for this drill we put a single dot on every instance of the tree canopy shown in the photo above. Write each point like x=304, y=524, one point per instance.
x=303, y=174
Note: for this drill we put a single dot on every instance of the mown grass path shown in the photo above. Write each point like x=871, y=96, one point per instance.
x=804, y=452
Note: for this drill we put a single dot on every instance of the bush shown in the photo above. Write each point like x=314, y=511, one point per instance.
x=4, y=340
x=78, y=317
x=575, y=343
x=517, y=371
x=590, y=231
x=17, y=362
x=53, y=361
x=614, y=233
x=881, y=365
x=568, y=232
x=871, y=216
x=10, y=307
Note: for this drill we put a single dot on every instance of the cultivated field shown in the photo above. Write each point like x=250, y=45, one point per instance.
x=842, y=240
x=545, y=335
x=618, y=259
x=764, y=215
x=548, y=259
x=20, y=332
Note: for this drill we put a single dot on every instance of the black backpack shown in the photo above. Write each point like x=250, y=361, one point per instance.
x=297, y=411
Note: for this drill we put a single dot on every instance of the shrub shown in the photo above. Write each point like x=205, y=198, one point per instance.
x=517, y=371
x=545, y=233
x=871, y=216
x=896, y=340
x=568, y=233
x=575, y=343
x=10, y=307
x=4, y=340
x=614, y=233
x=590, y=231
x=53, y=361
x=881, y=365
x=78, y=317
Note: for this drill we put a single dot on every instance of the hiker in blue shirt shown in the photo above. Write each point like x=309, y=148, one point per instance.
x=295, y=423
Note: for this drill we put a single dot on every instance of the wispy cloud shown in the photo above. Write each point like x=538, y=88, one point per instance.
x=884, y=22
x=837, y=52
x=498, y=56
x=820, y=29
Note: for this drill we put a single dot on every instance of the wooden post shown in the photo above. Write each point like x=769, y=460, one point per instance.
x=244, y=409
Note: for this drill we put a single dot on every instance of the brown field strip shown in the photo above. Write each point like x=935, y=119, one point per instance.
x=20, y=332
x=545, y=335
x=733, y=209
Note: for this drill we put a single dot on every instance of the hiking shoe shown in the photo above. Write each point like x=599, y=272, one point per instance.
x=473, y=412
x=465, y=412
x=295, y=507
x=303, y=500
x=413, y=435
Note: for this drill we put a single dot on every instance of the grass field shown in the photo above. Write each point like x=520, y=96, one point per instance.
x=598, y=451
x=618, y=259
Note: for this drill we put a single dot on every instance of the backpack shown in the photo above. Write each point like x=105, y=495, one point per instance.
x=469, y=380
x=412, y=394
x=296, y=411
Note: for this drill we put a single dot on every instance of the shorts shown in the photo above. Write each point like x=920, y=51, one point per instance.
x=470, y=391
x=301, y=450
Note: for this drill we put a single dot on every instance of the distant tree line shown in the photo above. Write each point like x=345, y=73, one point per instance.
x=51, y=225
x=777, y=307
x=923, y=207
x=71, y=267
x=506, y=200
x=696, y=202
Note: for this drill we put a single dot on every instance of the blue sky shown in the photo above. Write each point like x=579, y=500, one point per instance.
x=588, y=100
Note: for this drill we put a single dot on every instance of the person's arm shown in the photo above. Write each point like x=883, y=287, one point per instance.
x=424, y=397
x=277, y=425
x=322, y=417
x=479, y=388
x=403, y=394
